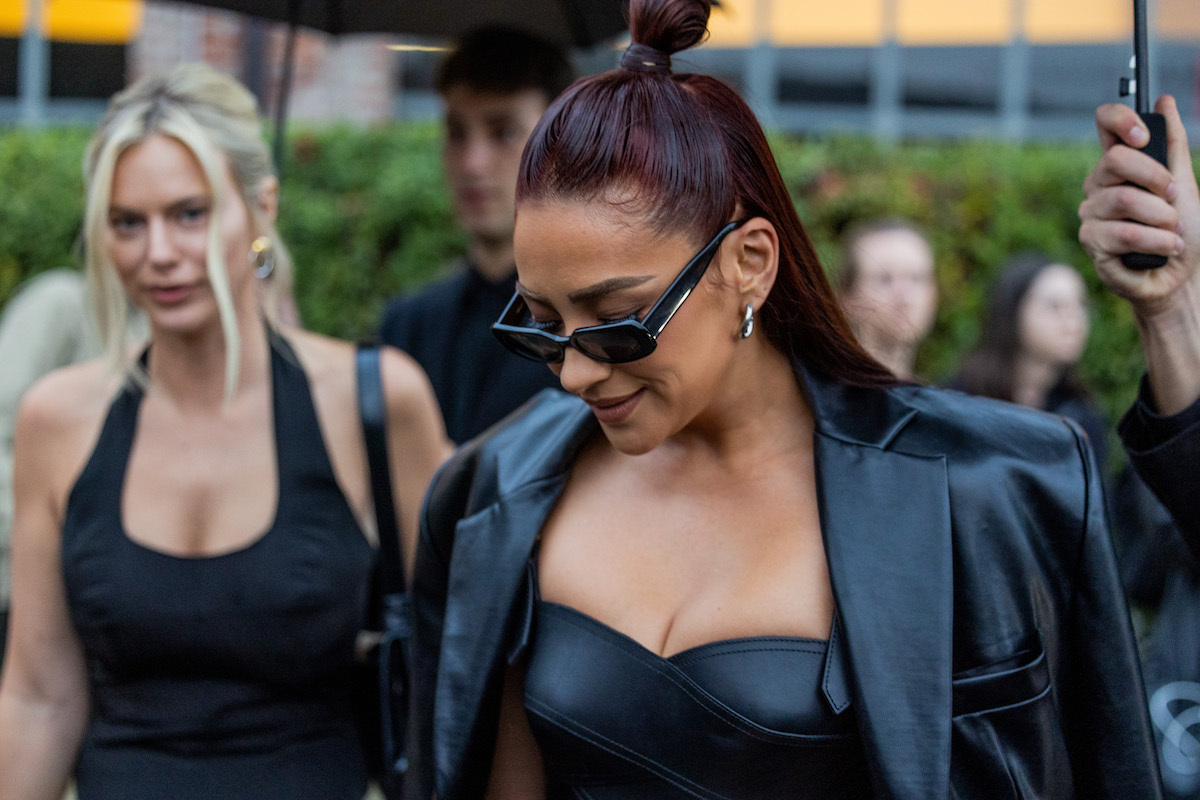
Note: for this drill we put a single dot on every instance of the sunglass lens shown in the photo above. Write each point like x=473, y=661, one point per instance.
x=615, y=345
x=533, y=347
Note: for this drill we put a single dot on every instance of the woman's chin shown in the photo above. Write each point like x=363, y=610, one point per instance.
x=630, y=442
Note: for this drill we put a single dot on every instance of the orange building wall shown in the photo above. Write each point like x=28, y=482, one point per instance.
x=928, y=22
x=737, y=23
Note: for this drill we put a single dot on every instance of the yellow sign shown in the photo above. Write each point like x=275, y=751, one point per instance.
x=847, y=23
x=96, y=21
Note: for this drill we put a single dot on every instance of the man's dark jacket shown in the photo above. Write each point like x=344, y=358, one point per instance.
x=1165, y=451
x=987, y=636
x=446, y=327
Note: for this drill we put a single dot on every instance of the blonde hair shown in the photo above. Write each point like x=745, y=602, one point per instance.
x=217, y=119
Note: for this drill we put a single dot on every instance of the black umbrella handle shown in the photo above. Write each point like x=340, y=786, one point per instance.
x=1156, y=124
x=285, y=87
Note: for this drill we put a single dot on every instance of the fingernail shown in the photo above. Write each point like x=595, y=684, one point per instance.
x=1178, y=246
x=1172, y=190
x=1139, y=137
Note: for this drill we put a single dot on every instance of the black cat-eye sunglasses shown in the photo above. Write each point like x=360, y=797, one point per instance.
x=614, y=342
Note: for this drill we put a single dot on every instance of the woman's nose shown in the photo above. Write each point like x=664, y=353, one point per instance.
x=161, y=248
x=577, y=372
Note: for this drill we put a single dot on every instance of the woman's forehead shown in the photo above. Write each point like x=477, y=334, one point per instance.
x=564, y=249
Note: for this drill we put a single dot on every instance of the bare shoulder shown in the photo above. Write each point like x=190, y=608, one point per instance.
x=61, y=416
x=404, y=382
x=325, y=359
x=330, y=365
x=74, y=395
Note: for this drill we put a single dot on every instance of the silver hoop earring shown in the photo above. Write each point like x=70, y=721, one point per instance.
x=748, y=322
x=262, y=256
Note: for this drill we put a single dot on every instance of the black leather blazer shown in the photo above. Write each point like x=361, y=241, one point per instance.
x=988, y=639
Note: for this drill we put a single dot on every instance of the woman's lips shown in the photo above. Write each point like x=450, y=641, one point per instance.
x=171, y=295
x=611, y=411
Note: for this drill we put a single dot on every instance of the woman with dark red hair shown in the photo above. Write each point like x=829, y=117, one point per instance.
x=738, y=558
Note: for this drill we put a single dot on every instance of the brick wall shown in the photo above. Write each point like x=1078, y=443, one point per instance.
x=347, y=78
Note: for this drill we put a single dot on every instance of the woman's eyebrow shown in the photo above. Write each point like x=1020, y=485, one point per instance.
x=602, y=288
x=588, y=293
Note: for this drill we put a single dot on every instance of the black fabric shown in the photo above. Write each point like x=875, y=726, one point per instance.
x=372, y=411
x=447, y=328
x=1080, y=409
x=227, y=676
x=385, y=707
x=607, y=714
x=1165, y=450
x=1162, y=577
x=971, y=566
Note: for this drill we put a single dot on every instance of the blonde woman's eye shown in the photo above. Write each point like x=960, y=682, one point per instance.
x=124, y=224
x=193, y=215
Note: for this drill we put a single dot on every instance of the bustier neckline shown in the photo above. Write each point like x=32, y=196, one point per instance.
x=798, y=643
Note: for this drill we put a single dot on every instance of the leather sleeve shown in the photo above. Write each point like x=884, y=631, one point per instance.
x=1166, y=453
x=466, y=483
x=445, y=504
x=1104, y=704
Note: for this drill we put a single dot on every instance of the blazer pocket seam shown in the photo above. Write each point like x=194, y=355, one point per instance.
x=1009, y=688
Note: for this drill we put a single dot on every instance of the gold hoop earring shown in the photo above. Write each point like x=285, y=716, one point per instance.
x=262, y=256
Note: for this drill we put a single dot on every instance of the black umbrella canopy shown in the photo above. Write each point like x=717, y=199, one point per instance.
x=580, y=23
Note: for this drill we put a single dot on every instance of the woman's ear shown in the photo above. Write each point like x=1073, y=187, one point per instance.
x=267, y=197
x=756, y=260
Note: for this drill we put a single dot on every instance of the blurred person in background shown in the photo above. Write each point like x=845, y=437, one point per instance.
x=888, y=290
x=191, y=546
x=494, y=87
x=1133, y=204
x=1034, y=332
x=1161, y=432
x=45, y=325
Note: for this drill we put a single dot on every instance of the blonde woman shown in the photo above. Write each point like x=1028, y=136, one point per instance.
x=190, y=550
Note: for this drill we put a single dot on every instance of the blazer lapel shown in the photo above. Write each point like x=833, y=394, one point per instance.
x=491, y=550
x=485, y=589
x=885, y=518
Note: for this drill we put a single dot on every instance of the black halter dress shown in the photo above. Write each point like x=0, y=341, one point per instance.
x=223, y=677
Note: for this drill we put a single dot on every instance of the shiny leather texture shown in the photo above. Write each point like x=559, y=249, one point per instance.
x=608, y=714
x=988, y=641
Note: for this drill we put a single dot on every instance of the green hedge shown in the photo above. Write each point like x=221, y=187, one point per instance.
x=366, y=215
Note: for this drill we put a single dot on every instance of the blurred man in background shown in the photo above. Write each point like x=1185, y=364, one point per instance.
x=495, y=86
x=888, y=290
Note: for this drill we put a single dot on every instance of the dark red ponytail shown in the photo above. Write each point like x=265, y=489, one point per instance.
x=684, y=152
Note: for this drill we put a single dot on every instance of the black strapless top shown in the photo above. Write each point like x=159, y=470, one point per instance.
x=760, y=718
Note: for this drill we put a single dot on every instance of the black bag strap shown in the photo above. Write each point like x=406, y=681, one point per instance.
x=372, y=408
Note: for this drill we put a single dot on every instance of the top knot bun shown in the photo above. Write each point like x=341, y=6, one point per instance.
x=668, y=26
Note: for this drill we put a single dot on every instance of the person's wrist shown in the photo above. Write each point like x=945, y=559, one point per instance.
x=1170, y=333
x=1173, y=313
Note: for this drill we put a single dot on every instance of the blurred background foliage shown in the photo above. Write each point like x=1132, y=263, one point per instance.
x=366, y=215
